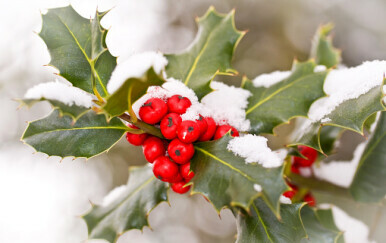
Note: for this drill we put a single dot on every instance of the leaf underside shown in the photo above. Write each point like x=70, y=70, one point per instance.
x=292, y=97
x=58, y=135
x=226, y=180
x=130, y=209
x=210, y=53
x=77, y=48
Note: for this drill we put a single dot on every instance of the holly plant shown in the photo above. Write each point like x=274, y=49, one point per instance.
x=166, y=106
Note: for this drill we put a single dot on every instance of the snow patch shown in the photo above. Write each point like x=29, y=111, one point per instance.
x=305, y=171
x=257, y=187
x=63, y=92
x=113, y=195
x=340, y=172
x=320, y=68
x=255, y=150
x=135, y=67
x=285, y=200
x=266, y=80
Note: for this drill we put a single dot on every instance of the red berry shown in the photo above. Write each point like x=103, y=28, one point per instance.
x=153, y=148
x=178, y=104
x=295, y=168
x=211, y=129
x=310, y=153
x=179, y=187
x=290, y=194
x=201, y=122
x=224, y=129
x=188, y=131
x=186, y=173
x=177, y=179
x=135, y=139
x=169, y=125
x=153, y=110
x=180, y=152
x=293, y=186
x=309, y=198
x=165, y=170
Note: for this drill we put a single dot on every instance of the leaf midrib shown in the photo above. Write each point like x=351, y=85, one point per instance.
x=262, y=222
x=77, y=128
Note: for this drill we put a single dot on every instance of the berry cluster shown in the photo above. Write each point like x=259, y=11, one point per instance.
x=171, y=156
x=308, y=197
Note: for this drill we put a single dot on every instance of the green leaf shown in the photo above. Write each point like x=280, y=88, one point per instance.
x=369, y=184
x=262, y=225
x=292, y=97
x=210, y=53
x=350, y=114
x=320, y=226
x=328, y=137
x=322, y=49
x=58, y=135
x=130, y=91
x=130, y=210
x=70, y=110
x=78, y=49
x=226, y=180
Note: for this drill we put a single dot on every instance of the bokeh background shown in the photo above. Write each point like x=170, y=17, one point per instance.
x=42, y=198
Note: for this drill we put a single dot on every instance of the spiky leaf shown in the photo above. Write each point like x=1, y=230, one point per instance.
x=58, y=135
x=322, y=48
x=369, y=184
x=130, y=209
x=277, y=104
x=210, y=53
x=226, y=180
x=350, y=114
x=77, y=48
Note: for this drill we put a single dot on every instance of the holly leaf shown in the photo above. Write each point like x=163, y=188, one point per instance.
x=78, y=49
x=58, y=135
x=130, y=91
x=130, y=209
x=328, y=137
x=350, y=114
x=369, y=184
x=69, y=110
x=210, y=53
x=322, y=49
x=226, y=180
x=292, y=97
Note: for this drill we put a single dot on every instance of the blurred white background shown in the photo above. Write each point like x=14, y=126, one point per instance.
x=41, y=198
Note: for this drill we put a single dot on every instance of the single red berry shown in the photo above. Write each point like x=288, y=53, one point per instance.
x=135, y=139
x=290, y=194
x=310, y=153
x=223, y=129
x=180, y=152
x=153, y=110
x=309, y=198
x=188, y=131
x=185, y=171
x=201, y=122
x=165, y=169
x=295, y=168
x=169, y=125
x=177, y=179
x=211, y=129
x=153, y=148
x=178, y=104
x=179, y=187
x=293, y=186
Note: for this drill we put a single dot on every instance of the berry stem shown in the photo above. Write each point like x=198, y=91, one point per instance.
x=142, y=125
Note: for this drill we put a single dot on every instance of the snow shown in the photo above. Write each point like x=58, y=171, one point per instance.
x=227, y=104
x=63, y=92
x=354, y=231
x=257, y=187
x=255, y=150
x=268, y=79
x=113, y=195
x=305, y=171
x=285, y=200
x=320, y=68
x=340, y=172
x=345, y=84
x=135, y=67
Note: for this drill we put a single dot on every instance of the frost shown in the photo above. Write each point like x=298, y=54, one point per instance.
x=113, y=195
x=340, y=172
x=135, y=67
x=63, y=92
x=255, y=150
x=257, y=187
x=268, y=79
x=226, y=105
x=285, y=200
x=345, y=84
